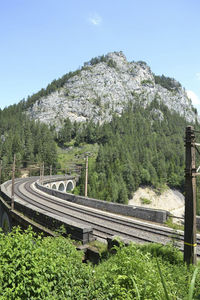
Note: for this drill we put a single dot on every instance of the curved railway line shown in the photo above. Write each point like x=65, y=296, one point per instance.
x=104, y=224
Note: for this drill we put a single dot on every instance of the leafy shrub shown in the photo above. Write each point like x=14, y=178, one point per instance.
x=32, y=267
x=133, y=274
x=40, y=268
x=145, y=201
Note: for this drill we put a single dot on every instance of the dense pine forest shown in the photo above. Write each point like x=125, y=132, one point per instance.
x=31, y=141
x=144, y=146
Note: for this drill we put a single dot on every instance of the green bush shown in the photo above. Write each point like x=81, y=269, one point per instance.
x=35, y=267
x=145, y=200
x=32, y=267
x=133, y=273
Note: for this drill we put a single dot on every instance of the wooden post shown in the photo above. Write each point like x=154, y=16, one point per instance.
x=50, y=171
x=13, y=183
x=86, y=175
x=190, y=198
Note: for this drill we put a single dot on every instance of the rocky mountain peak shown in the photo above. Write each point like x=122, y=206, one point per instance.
x=105, y=85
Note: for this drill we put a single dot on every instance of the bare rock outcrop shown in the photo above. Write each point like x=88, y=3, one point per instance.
x=106, y=87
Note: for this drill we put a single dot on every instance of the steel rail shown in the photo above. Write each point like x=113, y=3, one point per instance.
x=95, y=225
x=162, y=235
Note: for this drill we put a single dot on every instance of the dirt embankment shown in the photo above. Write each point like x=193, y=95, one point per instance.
x=170, y=200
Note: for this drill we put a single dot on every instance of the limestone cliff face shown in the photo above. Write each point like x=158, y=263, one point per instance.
x=106, y=87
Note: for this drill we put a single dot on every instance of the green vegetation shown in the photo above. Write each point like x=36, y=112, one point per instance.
x=173, y=225
x=135, y=151
x=96, y=60
x=145, y=200
x=71, y=155
x=130, y=151
x=56, y=84
x=99, y=246
x=167, y=82
x=33, y=267
x=141, y=63
x=31, y=141
x=147, y=82
x=103, y=58
x=137, y=148
x=111, y=63
x=40, y=268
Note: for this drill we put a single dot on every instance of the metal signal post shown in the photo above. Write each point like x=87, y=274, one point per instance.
x=190, y=198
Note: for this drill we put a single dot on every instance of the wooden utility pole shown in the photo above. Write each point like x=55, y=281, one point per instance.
x=13, y=183
x=50, y=171
x=86, y=175
x=190, y=198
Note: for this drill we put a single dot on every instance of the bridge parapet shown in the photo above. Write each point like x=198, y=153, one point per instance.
x=63, y=184
x=25, y=214
x=149, y=214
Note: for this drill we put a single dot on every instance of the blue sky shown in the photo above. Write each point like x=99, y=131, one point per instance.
x=41, y=40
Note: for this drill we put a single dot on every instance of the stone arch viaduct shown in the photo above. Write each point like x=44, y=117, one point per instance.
x=62, y=185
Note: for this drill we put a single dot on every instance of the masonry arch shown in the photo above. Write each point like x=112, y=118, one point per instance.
x=54, y=187
x=70, y=186
x=6, y=226
x=61, y=187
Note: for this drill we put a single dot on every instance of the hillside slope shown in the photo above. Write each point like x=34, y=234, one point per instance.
x=105, y=85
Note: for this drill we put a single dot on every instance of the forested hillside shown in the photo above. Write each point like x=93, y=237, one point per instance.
x=31, y=141
x=135, y=119
x=142, y=147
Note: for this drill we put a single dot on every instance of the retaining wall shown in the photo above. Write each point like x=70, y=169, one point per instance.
x=149, y=214
x=76, y=230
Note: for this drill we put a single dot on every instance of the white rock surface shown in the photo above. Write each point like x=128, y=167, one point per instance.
x=170, y=200
x=98, y=90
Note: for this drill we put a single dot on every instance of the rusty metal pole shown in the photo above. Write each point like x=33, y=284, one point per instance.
x=190, y=198
x=86, y=175
x=13, y=183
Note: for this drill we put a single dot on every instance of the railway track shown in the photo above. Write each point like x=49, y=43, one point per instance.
x=104, y=224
